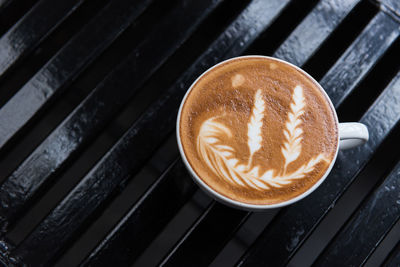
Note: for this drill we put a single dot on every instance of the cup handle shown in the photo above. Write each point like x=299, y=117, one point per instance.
x=352, y=134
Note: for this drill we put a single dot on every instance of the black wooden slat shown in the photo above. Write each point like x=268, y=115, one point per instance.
x=127, y=156
x=5, y=248
x=186, y=248
x=209, y=229
x=393, y=5
x=115, y=246
x=362, y=234
x=286, y=233
x=363, y=53
x=87, y=119
x=11, y=11
x=314, y=29
x=24, y=36
x=125, y=243
x=66, y=65
x=222, y=229
x=393, y=259
x=4, y=3
x=19, y=75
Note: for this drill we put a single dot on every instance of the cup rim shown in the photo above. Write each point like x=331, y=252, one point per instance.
x=234, y=203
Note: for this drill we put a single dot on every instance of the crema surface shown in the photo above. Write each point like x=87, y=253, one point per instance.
x=258, y=131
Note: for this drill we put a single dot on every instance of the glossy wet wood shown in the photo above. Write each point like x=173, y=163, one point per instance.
x=11, y=11
x=30, y=31
x=139, y=224
x=218, y=224
x=313, y=30
x=217, y=44
x=360, y=57
x=69, y=62
x=94, y=112
x=296, y=222
x=231, y=219
x=299, y=220
x=393, y=258
x=371, y=223
x=137, y=144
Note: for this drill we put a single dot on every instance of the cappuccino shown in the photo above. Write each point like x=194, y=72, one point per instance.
x=258, y=131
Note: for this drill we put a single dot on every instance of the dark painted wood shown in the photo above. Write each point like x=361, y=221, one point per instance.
x=145, y=219
x=393, y=259
x=363, y=233
x=67, y=64
x=24, y=36
x=360, y=57
x=314, y=29
x=292, y=50
x=17, y=191
x=11, y=11
x=74, y=213
x=208, y=234
x=86, y=201
x=392, y=5
x=5, y=249
x=4, y=3
x=292, y=226
x=218, y=208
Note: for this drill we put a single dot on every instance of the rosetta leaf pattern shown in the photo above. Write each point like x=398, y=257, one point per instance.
x=293, y=133
x=255, y=125
x=221, y=158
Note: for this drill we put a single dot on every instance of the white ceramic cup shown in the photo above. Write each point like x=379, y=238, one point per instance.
x=351, y=134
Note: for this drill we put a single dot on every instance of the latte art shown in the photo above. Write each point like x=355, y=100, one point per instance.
x=220, y=157
x=257, y=130
x=254, y=126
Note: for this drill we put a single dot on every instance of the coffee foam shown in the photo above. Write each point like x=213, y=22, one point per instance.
x=258, y=131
